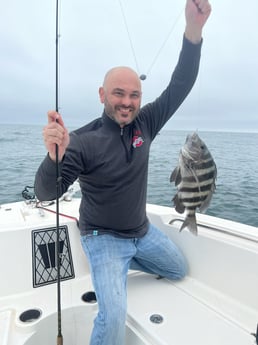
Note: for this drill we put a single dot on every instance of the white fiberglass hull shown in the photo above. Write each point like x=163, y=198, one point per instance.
x=217, y=303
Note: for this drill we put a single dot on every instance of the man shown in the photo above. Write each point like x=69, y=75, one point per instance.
x=110, y=157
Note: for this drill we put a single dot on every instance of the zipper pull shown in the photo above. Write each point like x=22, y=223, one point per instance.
x=121, y=131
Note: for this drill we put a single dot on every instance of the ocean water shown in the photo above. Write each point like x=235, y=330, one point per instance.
x=235, y=154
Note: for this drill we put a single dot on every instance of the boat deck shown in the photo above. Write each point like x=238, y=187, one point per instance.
x=215, y=304
x=185, y=308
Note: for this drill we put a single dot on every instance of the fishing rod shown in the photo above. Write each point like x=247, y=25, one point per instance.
x=58, y=258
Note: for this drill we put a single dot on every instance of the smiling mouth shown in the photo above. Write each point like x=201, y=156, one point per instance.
x=125, y=111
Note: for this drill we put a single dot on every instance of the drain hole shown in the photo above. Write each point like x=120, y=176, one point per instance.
x=30, y=315
x=89, y=297
x=156, y=318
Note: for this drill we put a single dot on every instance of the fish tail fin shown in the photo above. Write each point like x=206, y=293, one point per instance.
x=190, y=223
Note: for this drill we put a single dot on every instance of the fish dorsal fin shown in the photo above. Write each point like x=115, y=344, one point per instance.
x=176, y=176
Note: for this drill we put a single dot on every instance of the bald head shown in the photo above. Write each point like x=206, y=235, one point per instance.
x=122, y=74
x=121, y=94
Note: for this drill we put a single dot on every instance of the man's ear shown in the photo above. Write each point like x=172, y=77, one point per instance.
x=101, y=94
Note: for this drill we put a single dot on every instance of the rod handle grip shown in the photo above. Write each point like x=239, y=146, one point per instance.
x=59, y=340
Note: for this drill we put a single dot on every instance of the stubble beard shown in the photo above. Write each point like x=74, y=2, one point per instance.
x=113, y=111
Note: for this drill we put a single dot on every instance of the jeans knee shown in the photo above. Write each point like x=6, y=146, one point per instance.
x=182, y=269
x=178, y=270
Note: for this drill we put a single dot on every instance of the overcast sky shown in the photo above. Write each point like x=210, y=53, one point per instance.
x=94, y=38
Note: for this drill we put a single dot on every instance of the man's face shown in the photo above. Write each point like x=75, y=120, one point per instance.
x=121, y=95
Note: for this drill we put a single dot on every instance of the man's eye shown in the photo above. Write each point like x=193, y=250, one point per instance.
x=118, y=93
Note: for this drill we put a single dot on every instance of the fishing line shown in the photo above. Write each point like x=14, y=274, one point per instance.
x=129, y=36
x=144, y=76
x=165, y=41
x=58, y=258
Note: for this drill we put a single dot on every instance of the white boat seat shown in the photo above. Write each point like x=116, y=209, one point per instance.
x=184, y=314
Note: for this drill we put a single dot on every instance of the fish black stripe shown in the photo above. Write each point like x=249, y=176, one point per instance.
x=196, y=189
x=194, y=199
x=204, y=165
x=201, y=178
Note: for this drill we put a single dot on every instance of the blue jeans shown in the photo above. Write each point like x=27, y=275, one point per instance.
x=109, y=259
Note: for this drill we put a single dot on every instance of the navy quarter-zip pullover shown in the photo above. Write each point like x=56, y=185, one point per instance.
x=112, y=163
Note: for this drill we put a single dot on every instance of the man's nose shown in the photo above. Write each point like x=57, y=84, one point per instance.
x=126, y=101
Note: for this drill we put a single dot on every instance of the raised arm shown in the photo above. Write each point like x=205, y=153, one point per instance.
x=196, y=14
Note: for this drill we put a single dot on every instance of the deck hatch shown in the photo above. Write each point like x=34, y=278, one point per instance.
x=44, y=256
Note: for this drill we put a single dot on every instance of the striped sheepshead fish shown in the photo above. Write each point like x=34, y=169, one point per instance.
x=195, y=178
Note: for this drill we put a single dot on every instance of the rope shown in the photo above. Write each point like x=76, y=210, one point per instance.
x=60, y=214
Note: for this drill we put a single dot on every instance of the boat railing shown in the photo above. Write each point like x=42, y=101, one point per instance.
x=220, y=229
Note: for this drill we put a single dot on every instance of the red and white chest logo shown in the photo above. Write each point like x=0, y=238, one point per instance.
x=137, y=139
